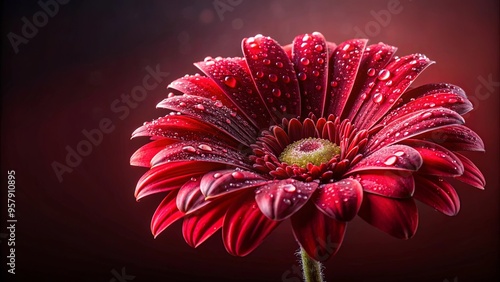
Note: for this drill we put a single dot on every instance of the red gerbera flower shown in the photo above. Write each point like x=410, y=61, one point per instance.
x=312, y=132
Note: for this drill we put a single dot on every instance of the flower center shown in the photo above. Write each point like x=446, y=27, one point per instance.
x=309, y=150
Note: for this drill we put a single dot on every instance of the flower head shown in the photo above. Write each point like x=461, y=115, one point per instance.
x=312, y=132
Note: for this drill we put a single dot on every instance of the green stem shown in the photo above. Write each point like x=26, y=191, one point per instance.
x=310, y=268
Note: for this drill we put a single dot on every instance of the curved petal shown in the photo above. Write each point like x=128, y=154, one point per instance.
x=200, y=225
x=143, y=156
x=396, y=217
x=344, y=64
x=455, y=138
x=233, y=78
x=375, y=58
x=395, y=157
x=245, y=227
x=217, y=115
x=319, y=235
x=310, y=59
x=200, y=151
x=391, y=83
x=189, y=195
x=166, y=214
x=388, y=183
x=437, y=160
x=437, y=193
x=273, y=75
x=280, y=199
x=419, y=122
x=340, y=200
x=472, y=175
x=170, y=176
x=222, y=182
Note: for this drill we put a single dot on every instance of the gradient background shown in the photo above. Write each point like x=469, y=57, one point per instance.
x=66, y=77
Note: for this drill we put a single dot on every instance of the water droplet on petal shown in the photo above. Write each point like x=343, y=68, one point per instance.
x=276, y=92
x=377, y=98
x=334, y=84
x=304, y=61
x=217, y=175
x=371, y=72
x=266, y=62
x=287, y=201
x=254, y=57
x=399, y=153
x=230, y=81
x=384, y=74
x=199, y=107
x=286, y=78
x=320, y=61
x=279, y=64
x=189, y=149
x=306, y=37
x=273, y=77
x=259, y=74
x=391, y=160
x=289, y=188
x=218, y=104
x=205, y=147
x=238, y=175
x=426, y=115
x=302, y=76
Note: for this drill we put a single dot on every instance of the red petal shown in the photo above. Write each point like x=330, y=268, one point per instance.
x=437, y=160
x=310, y=59
x=166, y=214
x=170, y=176
x=344, y=65
x=455, y=138
x=392, y=184
x=375, y=58
x=395, y=157
x=189, y=195
x=397, y=217
x=437, y=193
x=319, y=235
x=417, y=123
x=211, y=112
x=391, y=84
x=277, y=85
x=472, y=175
x=222, y=182
x=245, y=227
x=340, y=200
x=200, y=151
x=451, y=98
x=200, y=225
x=143, y=156
x=233, y=77
x=280, y=199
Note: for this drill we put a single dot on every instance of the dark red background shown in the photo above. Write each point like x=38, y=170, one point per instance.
x=66, y=77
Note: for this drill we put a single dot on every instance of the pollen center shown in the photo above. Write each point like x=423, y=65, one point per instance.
x=309, y=150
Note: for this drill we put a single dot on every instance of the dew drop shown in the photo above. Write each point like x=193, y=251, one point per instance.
x=426, y=115
x=228, y=121
x=390, y=160
x=259, y=74
x=399, y=153
x=217, y=175
x=188, y=149
x=334, y=84
x=290, y=188
x=302, y=76
x=304, y=61
x=273, y=77
x=266, y=62
x=283, y=108
x=230, y=81
x=276, y=92
x=320, y=61
x=199, y=107
x=315, y=73
x=452, y=100
x=254, y=57
x=285, y=78
x=384, y=74
x=205, y=148
x=306, y=37
x=208, y=58
x=377, y=98
x=238, y=175
x=371, y=72
x=218, y=104
x=279, y=64
x=363, y=96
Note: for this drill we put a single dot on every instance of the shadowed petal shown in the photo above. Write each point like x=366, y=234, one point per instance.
x=391, y=83
x=245, y=227
x=455, y=138
x=233, y=78
x=310, y=59
x=170, y=176
x=319, y=235
x=166, y=214
x=340, y=200
x=273, y=75
x=210, y=111
x=419, y=122
x=143, y=156
x=189, y=195
x=396, y=217
x=437, y=193
x=437, y=160
x=395, y=157
x=200, y=225
x=392, y=184
x=343, y=65
x=375, y=58
x=472, y=175
x=280, y=199
x=222, y=182
x=200, y=151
